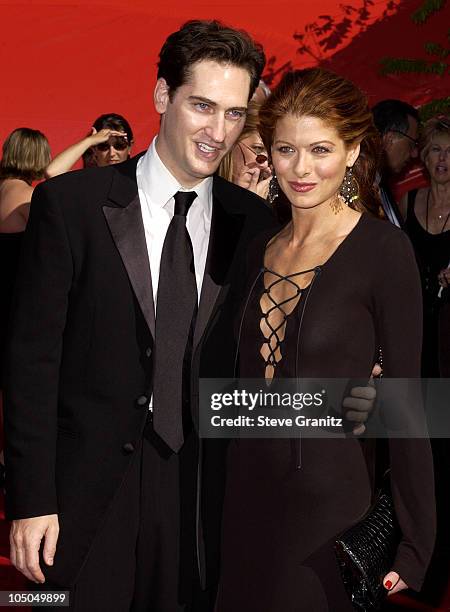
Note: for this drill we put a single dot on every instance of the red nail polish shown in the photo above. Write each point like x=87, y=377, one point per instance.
x=388, y=585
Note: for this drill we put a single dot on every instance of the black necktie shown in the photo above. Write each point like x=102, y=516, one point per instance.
x=175, y=311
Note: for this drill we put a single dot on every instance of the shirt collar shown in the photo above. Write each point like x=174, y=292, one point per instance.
x=160, y=185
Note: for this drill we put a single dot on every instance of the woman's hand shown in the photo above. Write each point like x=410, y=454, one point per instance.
x=393, y=583
x=444, y=278
x=104, y=135
x=64, y=161
x=250, y=179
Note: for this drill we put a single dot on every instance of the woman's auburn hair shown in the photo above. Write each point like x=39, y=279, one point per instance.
x=26, y=155
x=320, y=93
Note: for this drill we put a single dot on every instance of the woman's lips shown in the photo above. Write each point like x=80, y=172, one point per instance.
x=301, y=187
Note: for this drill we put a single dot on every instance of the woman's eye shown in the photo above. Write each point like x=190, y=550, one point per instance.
x=285, y=150
x=320, y=149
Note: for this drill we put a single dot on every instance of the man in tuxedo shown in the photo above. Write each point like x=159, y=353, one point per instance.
x=398, y=124
x=125, y=272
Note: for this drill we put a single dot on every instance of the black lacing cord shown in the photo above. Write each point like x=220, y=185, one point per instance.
x=271, y=358
x=317, y=270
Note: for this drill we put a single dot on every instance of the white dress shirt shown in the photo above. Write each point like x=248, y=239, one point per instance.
x=156, y=187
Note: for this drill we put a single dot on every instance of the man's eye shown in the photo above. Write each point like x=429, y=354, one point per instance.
x=235, y=114
x=202, y=106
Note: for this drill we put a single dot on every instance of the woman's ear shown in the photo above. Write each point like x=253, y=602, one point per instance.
x=353, y=154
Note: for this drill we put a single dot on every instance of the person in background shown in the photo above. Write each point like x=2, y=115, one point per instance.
x=26, y=153
x=427, y=221
x=261, y=94
x=109, y=143
x=246, y=164
x=398, y=124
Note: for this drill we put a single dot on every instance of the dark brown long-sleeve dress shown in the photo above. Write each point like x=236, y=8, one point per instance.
x=280, y=521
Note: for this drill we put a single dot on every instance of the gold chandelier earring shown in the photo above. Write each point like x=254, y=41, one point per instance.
x=349, y=190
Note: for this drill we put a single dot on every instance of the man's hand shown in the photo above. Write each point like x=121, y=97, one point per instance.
x=444, y=278
x=25, y=540
x=360, y=403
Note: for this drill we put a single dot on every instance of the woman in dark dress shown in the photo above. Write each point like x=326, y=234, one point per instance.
x=324, y=294
x=427, y=222
x=26, y=153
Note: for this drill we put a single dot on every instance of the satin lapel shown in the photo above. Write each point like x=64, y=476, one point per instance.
x=127, y=230
x=225, y=232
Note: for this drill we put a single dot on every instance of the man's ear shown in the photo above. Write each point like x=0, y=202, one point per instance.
x=161, y=96
x=352, y=154
x=387, y=140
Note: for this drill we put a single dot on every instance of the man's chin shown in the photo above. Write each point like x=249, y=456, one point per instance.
x=204, y=169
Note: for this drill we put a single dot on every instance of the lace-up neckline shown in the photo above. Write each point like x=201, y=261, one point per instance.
x=275, y=313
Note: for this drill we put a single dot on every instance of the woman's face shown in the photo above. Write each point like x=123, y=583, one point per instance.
x=115, y=151
x=245, y=155
x=309, y=160
x=438, y=159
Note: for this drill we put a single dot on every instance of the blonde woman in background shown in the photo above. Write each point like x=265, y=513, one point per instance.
x=247, y=163
x=26, y=154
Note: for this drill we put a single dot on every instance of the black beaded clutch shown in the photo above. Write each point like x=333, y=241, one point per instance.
x=366, y=553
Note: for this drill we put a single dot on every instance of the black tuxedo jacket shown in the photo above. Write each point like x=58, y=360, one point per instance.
x=80, y=355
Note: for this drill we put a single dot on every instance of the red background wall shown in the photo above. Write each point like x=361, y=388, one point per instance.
x=65, y=62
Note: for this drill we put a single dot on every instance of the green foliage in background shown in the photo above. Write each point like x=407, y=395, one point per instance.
x=436, y=107
x=426, y=10
x=438, y=64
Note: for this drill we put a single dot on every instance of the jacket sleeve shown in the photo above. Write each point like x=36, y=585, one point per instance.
x=33, y=357
x=399, y=318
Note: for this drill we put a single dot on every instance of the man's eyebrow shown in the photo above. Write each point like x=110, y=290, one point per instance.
x=201, y=99
x=212, y=103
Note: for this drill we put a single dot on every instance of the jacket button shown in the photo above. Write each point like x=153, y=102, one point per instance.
x=128, y=448
x=148, y=352
x=142, y=400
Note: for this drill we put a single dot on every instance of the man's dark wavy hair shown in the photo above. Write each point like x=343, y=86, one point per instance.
x=202, y=40
x=393, y=115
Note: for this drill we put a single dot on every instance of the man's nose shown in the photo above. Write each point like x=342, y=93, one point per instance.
x=216, y=128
